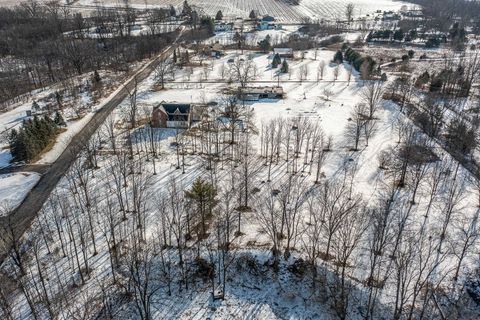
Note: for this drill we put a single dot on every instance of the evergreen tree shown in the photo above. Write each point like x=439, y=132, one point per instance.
x=18, y=147
x=186, y=10
x=265, y=45
x=174, y=56
x=398, y=35
x=276, y=60
x=202, y=194
x=173, y=12
x=32, y=138
x=193, y=19
x=209, y=24
x=423, y=79
x=58, y=97
x=284, y=68
x=219, y=15
x=436, y=84
x=252, y=15
x=338, y=58
x=96, y=77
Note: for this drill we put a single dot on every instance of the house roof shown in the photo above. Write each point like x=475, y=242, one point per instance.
x=176, y=108
x=260, y=90
x=174, y=111
x=283, y=50
x=217, y=47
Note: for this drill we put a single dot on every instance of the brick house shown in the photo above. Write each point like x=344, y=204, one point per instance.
x=174, y=115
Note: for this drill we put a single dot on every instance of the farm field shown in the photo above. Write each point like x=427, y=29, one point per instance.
x=281, y=9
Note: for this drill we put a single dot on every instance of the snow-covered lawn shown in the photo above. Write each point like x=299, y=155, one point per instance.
x=14, y=188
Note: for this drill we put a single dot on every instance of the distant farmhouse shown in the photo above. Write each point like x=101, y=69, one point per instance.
x=258, y=93
x=223, y=26
x=175, y=115
x=267, y=23
x=216, y=50
x=285, y=53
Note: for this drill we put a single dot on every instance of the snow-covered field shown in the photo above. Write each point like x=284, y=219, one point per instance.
x=282, y=10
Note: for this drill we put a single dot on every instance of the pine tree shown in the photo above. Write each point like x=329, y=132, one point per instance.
x=173, y=12
x=252, y=15
x=423, y=79
x=96, y=77
x=284, y=68
x=187, y=10
x=203, y=196
x=18, y=148
x=58, y=97
x=219, y=15
x=174, y=56
x=265, y=45
x=274, y=64
x=338, y=58
x=30, y=140
x=276, y=60
x=208, y=23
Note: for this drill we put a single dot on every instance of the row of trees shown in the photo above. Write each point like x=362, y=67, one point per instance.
x=31, y=139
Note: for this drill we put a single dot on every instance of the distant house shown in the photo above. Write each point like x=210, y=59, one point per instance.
x=268, y=18
x=286, y=53
x=258, y=93
x=175, y=115
x=216, y=50
x=223, y=27
x=265, y=25
x=390, y=16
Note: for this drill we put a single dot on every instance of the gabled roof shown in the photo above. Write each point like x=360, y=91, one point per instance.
x=283, y=50
x=176, y=108
x=260, y=90
x=268, y=18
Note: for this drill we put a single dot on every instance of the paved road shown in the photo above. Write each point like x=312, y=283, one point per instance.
x=23, y=216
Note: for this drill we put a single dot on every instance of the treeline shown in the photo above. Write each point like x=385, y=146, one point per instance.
x=440, y=13
x=363, y=64
x=36, y=134
x=457, y=36
x=42, y=44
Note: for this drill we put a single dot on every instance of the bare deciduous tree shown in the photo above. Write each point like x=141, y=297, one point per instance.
x=372, y=96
